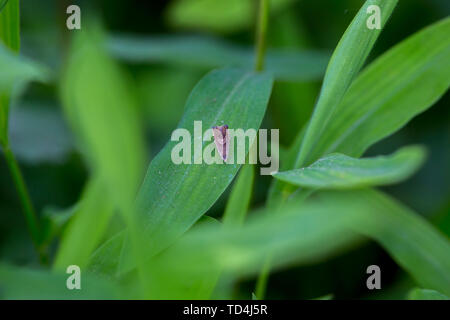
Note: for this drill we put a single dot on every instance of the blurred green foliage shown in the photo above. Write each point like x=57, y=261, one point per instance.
x=118, y=91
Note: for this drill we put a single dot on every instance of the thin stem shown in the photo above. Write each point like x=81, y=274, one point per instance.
x=263, y=17
x=261, y=283
x=30, y=215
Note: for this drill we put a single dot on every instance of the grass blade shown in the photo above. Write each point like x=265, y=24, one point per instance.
x=346, y=61
x=338, y=171
x=99, y=105
x=327, y=224
x=173, y=196
x=403, y=82
x=426, y=294
x=82, y=235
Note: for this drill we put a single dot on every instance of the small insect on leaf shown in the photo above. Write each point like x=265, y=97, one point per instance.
x=221, y=140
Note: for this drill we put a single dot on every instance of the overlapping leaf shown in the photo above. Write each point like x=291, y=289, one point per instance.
x=338, y=171
x=406, y=80
x=173, y=196
x=345, y=63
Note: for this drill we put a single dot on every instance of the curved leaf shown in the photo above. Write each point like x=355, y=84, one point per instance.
x=327, y=225
x=174, y=196
x=345, y=63
x=338, y=171
x=406, y=80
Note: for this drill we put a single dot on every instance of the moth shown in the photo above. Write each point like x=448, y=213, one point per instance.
x=221, y=140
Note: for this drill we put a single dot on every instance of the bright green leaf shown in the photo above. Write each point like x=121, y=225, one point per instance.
x=174, y=196
x=10, y=24
x=101, y=109
x=345, y=63
x=338, y=171
x=403, y=82
x=327, y=224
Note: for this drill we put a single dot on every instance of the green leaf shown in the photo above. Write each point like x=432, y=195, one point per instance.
x=426, y=294
x=239, y=200
x=85, y=228
x=239, y=252
x=346, y=61
x=327, y=224
x=10, y=24
x=208, y=53
x=403, y=82
x=99, y=105
x=174, y=196
x=98, y=102
x=219, y=16
x=338, y=171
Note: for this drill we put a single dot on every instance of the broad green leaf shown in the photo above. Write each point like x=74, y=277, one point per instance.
x=239, y=200
x=219, y=16
x=239, y=252
x=426, y=294
x=346, y=61
x=403, y=82
x=174, y=196
x=100, y=108
x=98, y=102
x=338, y=171
x=234, y=216
x=208, y=53
x=28, y=284
x=327, y=224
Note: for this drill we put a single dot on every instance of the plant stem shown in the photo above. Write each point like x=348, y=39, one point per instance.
x=263, y=17
x=261, y=283
x=261, y=31
x=30, y=215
